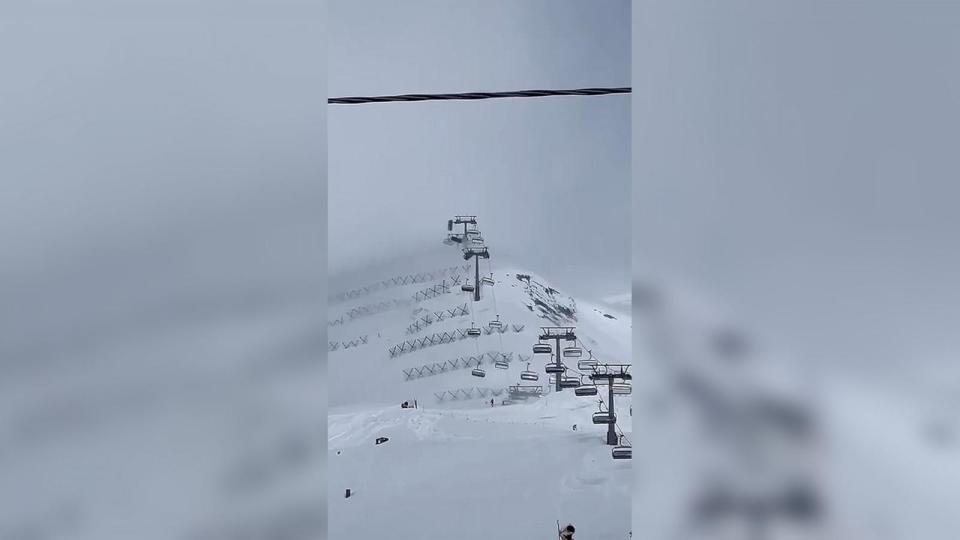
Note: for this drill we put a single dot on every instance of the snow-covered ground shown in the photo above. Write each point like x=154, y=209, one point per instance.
x=463, y=468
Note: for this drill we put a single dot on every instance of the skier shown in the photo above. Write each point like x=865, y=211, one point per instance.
x=574, y=427
x=491, y=402
x=567, y=533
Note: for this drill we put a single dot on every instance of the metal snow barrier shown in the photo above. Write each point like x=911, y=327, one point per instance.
x=431, y=340
x=465, y=394
x=432, y=292
x=356, y=342
x=462, y=362
x=367, y=310
x=398, y=281
x=437, y=316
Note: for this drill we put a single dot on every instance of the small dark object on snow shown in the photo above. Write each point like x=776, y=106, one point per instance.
x=381, y=440
x=347, y=494
x=574, y=427
x=567, y=533
x=405, y=405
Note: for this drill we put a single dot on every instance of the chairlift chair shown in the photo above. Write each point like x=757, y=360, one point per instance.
x=622, y=452
x=528, y=375
x=542, y=348
x=501, y=364
x=477, y=241
x=496, y=324
x=555, y=368
x=622, y=389
x=572, y=352
x=569, y=382
x=473, y=331
x=585, y=390
x=604, y=417
x=467, y=287
x=487, y=280
x=478, y=372
x=587, y=364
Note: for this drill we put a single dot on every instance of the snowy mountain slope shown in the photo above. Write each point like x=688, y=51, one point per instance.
x=454, y=468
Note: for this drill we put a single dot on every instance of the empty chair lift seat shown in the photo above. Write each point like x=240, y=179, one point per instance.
x=555, y=368
x=586, y=390
x=604, y=417
x=572, y=352
x=477, y=372
x=586, y=364
x=542, y=348
x=622, y=452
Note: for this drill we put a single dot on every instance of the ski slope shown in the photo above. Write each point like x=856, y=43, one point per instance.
x=461, y=468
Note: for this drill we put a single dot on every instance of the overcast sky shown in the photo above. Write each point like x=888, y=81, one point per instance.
x=155, y=161
x=548, y=178
x=798, y=162
x=162, y=227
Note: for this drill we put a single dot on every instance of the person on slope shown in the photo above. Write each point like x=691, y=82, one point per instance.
x=567, y=533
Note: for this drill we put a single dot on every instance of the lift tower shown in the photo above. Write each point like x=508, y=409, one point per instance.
x=477, y=254
x=462, y=220
x=558, y=333
x=611, y=373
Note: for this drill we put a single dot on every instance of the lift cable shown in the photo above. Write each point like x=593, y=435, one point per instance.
x=357, y=100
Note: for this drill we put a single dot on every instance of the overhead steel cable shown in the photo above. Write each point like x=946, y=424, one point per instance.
x=357, y=100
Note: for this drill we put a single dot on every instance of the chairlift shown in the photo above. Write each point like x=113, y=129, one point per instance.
x=456, y=238
x=555, y=368
x=496, y=324
x=586, y=390
x=528, y=375
x=473, y=232
x=542, y=348
x=478, y=372
x=622, y=452
x=501, y=364
x=587, y=364
x=569, y=382
x=477, y=241
x=487, y=280
x=604, y=417
x=622, y=389
x=467, y=287
x=473, y=331
x=572, y=352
